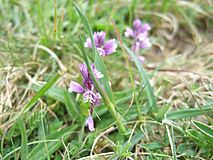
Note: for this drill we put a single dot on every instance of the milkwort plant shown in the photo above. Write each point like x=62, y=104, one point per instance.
x=140, y=35
x=90, y=93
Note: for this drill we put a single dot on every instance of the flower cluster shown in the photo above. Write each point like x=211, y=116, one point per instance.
x=139, y=33
x=103, y=48
x=90, y=94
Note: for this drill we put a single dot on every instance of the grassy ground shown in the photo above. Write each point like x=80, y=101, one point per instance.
x=165, y=104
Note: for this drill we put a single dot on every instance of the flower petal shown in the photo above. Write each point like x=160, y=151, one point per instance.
x=96, y=73
x=84, y=71
x=110, y=47
x=90, y=123
x=97, y=99
x=92, y=97
x=145, y=27
x=141, y=59
x=75, y=87
x=101, y=51
x=142, y=36
x=99, y=38
x=146, y=43
x=137, y=24
x=88, y=43
x=129, y=33
x=135, y=47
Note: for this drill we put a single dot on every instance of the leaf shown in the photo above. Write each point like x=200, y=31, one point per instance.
x=161, y=112
x=187, y=149
x=41, y=92
x=197, y=138
x=24, y=147
x=61, y=95
x=152, y=145
x=105, y=80
x=134, y=140
x=187, y=113
x=71, y=106
x=39, y=151
x=204, y=128
x=148, y=89
x=53, y=92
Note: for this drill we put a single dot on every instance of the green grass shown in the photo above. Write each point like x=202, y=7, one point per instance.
x=161, y=109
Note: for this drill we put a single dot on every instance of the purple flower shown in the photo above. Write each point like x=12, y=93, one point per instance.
x=75, y=87
x=90, y=94
x=141, y=59
x=90, y=123
x=92, y=97
x=140, y=35
x=103, y=48
x=87, y=81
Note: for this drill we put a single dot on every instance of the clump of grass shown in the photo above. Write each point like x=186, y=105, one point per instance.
x=165, y=103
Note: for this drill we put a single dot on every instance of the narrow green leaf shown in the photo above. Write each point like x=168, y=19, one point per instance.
x=161, y=112
x=152, y=145
x=138, y=136
x=24, y=147
x=188, y=113
x=187, y=149
x=54, y=92
x=204, y=128
x=99, y=64
x=71, y=106
x=39, y=151
x=148, y=89
x=61, y=95
x=197, y=137
x=41, y=92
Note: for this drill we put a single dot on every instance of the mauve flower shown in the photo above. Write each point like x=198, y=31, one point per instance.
x=75, y=87
x=87, y=81
x=140, y=35
x=141, y=59
x=90, y=123
x=90, y=94
x=103, y=48
x=92, y=97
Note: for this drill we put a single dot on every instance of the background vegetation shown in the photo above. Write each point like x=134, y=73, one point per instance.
x=40, y=53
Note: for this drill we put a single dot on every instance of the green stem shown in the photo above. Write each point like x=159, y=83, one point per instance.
x=118, y=118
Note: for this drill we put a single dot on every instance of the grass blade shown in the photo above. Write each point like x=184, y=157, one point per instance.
x=24, y=147
x=203, y=128
x=67, y=99
x=39, y=150
x=41, y=92
x=53, y=92
x=71, y=106
x=187, y=113
x=162, y=111
x=148, y=89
